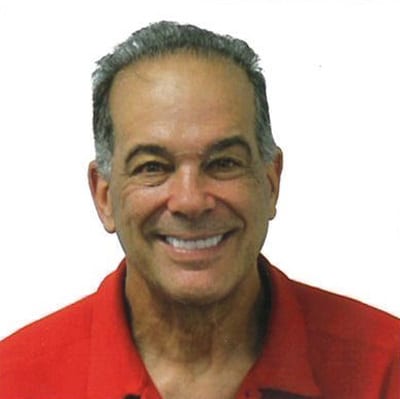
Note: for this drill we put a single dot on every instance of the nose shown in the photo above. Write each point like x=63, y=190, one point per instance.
x=189, y=195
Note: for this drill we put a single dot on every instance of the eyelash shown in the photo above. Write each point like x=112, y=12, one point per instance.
x=161, y=167
x=224, y=163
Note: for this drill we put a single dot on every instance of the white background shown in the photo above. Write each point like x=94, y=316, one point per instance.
x=333, y=73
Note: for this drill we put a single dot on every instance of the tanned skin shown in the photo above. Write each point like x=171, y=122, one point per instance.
x=190, y=198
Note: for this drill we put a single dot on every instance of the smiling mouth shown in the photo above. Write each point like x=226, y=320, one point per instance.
x=194, y=244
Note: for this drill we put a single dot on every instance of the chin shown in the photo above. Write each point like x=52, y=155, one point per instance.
x=198, y=296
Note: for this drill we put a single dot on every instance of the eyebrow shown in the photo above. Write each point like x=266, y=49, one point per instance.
x=162, y=151
x=153, y=149
x=229, y=142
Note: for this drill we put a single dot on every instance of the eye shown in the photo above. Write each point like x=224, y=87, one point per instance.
x=152, y=168
x=225, y=167
x=224, y=164
x=151, y=173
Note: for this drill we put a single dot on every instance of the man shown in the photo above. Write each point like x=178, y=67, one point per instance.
x=187, y=174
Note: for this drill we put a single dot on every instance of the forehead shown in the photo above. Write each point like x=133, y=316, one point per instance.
x=181, y=95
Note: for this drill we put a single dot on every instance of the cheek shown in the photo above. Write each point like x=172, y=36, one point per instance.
x=249, y=195
x=136, y=205
x=255, y=205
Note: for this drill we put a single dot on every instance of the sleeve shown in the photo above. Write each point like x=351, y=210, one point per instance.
x=391, y=386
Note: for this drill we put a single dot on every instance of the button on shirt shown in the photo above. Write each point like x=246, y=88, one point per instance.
x=317, y=345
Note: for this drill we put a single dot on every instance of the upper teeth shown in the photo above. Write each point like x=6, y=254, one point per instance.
x=194, y=244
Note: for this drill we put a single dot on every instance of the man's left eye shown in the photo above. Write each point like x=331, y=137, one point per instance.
x=225, y=168
x=223, y=164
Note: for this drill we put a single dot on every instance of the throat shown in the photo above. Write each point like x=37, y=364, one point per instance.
x=184, y=334
x=187, y=346
x=199, y=334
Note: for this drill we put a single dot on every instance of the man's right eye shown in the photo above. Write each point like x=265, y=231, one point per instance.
x=152, y=168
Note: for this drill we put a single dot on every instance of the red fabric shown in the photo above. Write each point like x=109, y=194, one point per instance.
x=317, y=345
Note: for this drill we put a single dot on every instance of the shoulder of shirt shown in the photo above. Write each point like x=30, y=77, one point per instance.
x=48, y=336
x=340, y=318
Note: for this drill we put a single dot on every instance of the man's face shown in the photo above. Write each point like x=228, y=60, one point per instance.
x=189, y=195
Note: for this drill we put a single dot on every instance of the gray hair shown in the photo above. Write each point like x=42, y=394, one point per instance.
x=166, y=38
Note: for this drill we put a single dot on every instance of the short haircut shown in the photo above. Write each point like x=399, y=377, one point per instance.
x=164, y=38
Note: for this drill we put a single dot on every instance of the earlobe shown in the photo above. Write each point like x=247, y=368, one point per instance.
x=99, y=188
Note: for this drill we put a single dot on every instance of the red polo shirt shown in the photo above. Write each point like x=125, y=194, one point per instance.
x=318, y=345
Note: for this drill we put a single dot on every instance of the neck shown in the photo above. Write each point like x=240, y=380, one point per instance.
x=190, y=334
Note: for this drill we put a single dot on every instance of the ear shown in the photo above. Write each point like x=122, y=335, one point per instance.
x=273, y=172
x=100, y=189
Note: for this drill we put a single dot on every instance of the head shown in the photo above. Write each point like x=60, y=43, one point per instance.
x=166, y=38
x=186, y=173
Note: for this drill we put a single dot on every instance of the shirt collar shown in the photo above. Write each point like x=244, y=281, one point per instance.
x=284, y=363
x=116, y=369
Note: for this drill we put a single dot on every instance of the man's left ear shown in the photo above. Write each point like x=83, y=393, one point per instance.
x=273, y=171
